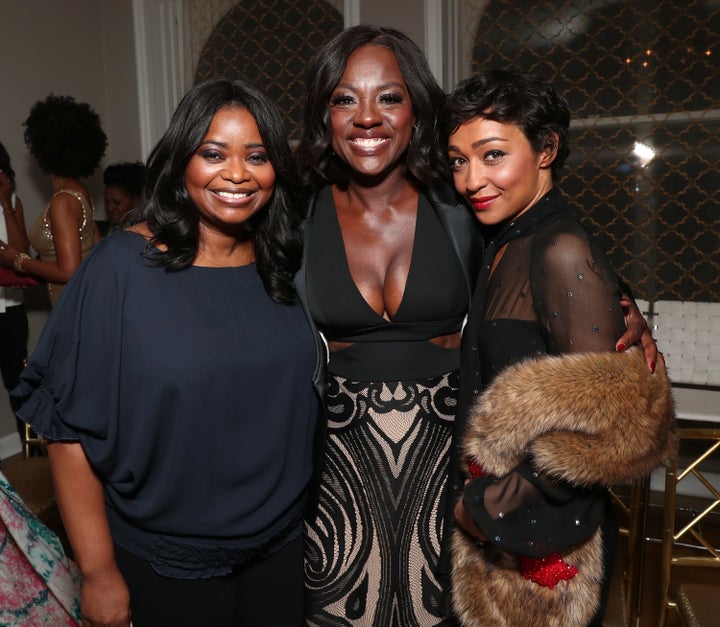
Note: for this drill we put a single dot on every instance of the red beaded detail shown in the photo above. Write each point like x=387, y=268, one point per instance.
x=547, y=571
x=476, y=470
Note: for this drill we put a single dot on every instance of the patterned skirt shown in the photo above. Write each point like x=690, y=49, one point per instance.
x=373, y=548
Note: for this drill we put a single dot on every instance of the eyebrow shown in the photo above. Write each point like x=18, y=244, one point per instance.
x=352, y=87
x=480, y=142
x=214, y=142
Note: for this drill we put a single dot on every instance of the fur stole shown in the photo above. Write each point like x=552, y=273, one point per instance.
x=587, y=418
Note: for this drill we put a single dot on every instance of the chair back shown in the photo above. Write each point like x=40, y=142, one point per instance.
x=684, y=540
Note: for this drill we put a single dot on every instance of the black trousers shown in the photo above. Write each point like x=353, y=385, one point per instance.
x=268, y=593
x=13, y=350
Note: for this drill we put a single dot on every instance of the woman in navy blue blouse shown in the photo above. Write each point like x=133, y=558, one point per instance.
x=174, y=383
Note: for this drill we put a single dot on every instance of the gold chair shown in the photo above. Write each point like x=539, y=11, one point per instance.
x=32, y=479
x=30, y=441
x=632, y=506
x=683, y=542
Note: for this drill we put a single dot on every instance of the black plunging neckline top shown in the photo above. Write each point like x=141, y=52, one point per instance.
x=434, y=302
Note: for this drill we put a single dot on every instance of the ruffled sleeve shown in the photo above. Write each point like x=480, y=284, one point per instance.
x=69, y=388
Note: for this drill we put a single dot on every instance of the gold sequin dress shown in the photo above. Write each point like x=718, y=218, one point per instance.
x=41, y=237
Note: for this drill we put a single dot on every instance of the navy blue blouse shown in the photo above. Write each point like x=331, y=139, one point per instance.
x=191, y=395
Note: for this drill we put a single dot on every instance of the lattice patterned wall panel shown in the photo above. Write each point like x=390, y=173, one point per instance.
x=269, y=43
x=634, y=72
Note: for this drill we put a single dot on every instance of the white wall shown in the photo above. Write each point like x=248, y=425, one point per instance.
x=407, y=16
x=82, y=48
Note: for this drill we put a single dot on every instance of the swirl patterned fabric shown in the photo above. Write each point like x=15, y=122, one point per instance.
x=374, y=545
x=39, y=585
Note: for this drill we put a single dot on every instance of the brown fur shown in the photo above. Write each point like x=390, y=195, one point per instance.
x=587, y=418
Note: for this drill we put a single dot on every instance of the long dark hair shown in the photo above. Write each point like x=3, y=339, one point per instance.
x=425, y=158
x=512, y=97
x=171, y=214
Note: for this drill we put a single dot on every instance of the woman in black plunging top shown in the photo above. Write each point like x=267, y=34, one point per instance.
x=389, y=270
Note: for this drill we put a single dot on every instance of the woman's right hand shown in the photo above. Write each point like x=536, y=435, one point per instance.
x=465, y=521
x=105, y=600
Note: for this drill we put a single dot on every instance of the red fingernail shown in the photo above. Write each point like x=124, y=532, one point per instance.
x=652, y=367
x=620, y=348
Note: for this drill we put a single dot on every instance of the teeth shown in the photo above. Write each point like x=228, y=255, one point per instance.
x=233, y=195
x=369, y=143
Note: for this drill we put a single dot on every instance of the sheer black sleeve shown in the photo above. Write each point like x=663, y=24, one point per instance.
x=526, y=513
x=575, y=291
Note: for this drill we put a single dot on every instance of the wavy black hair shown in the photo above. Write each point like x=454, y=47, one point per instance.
x=173, y=218
x=65, y=136
x=425, y=157
x=5, y=164
x=512, y=97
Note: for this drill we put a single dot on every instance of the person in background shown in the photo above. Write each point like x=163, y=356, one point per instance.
x=391, y=258
x=13, y=317
x=67, y=140
x=540, y=505
x=123, y=190
x=175, y=380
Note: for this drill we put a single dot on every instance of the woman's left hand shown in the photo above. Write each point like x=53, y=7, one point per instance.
x=463, y=519
x=637, y=331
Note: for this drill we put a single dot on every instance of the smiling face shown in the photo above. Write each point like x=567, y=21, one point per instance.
x=371, y=113
x=230, y=177
x=117, y=203
x=496, y=169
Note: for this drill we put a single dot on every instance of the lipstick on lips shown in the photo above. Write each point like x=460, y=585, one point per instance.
x=482, y=203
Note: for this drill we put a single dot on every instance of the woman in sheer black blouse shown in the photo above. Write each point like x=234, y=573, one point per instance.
x=544, y=289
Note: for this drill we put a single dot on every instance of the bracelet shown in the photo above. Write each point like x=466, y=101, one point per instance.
x=19, y=258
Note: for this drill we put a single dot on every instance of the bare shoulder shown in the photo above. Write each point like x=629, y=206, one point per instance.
x=64, y=211
x=65, y=203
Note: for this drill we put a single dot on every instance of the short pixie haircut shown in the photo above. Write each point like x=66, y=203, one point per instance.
x=173, y=217
x=425, y=158
x=65, y=136
x=512, y=97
